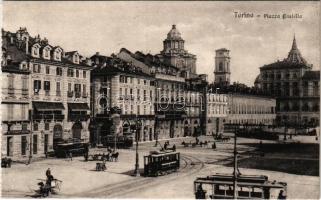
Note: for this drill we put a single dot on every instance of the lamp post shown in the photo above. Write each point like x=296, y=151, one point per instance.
x=235, y=166
x=137, y=128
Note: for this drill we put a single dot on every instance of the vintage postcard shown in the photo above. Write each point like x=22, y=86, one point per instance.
x=160, y=99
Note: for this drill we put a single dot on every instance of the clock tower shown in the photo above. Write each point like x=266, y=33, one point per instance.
x=222, y=71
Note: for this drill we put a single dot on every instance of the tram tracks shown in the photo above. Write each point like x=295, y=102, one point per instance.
x=190, y=165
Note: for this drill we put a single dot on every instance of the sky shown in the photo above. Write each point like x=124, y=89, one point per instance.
x=106, y=27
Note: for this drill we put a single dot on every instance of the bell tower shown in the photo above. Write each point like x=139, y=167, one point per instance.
x=222, y=71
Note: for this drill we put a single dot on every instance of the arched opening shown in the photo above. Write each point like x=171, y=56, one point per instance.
x=145, y=132
x=220, y=67
x=186, y=129
x=76, y=130
x=57, y=135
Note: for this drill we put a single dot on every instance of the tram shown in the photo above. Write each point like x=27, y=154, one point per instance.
x=161, y=163
x=220, y=186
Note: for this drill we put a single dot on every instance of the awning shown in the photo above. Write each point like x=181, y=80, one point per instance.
x=48, y=106
x=78, y=106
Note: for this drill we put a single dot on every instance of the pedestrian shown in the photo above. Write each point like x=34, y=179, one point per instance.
x=48, y=172
x=281, y=195
x=70, y=155
x=214, y=146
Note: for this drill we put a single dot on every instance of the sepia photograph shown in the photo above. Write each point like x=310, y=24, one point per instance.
x=160, y=99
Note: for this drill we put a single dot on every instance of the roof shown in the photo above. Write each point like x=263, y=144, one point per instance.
x=311, y=75
x=174, y=34
x=222, y=49
x=284, y=65
x=294, y=60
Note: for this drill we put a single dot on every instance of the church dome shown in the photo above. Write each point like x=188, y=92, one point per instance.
x=174, y=34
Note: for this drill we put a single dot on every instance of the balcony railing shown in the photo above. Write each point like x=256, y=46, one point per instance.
x=70, y=94
x=49, y=117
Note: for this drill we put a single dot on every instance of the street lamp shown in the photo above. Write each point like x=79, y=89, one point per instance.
x=137, y=128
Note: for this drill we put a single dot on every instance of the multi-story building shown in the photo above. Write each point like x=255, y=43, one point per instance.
x=56, y=85
x=250, y=109
x=117, y=83
x=295, y=87
x=217, y=112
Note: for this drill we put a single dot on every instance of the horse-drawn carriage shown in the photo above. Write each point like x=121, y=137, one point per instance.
x=160, y=163
x=46, y=188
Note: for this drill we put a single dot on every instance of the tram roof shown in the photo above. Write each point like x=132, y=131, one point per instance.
x=268, y=184
x=162, y=153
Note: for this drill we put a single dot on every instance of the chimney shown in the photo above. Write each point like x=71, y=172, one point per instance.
x=97, y=53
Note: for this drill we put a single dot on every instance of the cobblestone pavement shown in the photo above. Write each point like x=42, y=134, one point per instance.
x=81, y=180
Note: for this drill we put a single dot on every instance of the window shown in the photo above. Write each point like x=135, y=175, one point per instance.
x=35, y=126
x=59, y=71
x=36, y=86
x=69, y=87
x=138, y=81
x=46, y=126
x=46, y=53
x=220, y=66
x=84, y=74
x=84, y=92
x=145, y=95
x=47, y=69
x=70, y=73
x=58, y=91
x=35, y=144
x=24, y=127
x=23, y=145
x=77, y=90
x=138, y=94
x=77, y=73
x=46, y=85
x=144, y=82
x=138, y=109
x=36, y=68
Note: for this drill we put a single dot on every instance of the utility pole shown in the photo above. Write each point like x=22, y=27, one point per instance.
x=137, y=128
x=235, y=167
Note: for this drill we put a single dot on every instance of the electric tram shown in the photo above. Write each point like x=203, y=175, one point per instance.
x=161, y=163
x=220, y=186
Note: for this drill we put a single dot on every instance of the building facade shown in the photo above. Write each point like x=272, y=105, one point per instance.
x=55, y=87
x=295, y=87
x=250, y=109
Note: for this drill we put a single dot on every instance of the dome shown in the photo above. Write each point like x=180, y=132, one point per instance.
x=174, y=34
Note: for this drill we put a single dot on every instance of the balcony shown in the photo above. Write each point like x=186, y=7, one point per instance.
x=77, y=94
x=78, y=117
x=70, y=94
x=37, y=117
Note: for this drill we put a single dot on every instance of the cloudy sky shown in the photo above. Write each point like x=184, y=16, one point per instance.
x=105, y=27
